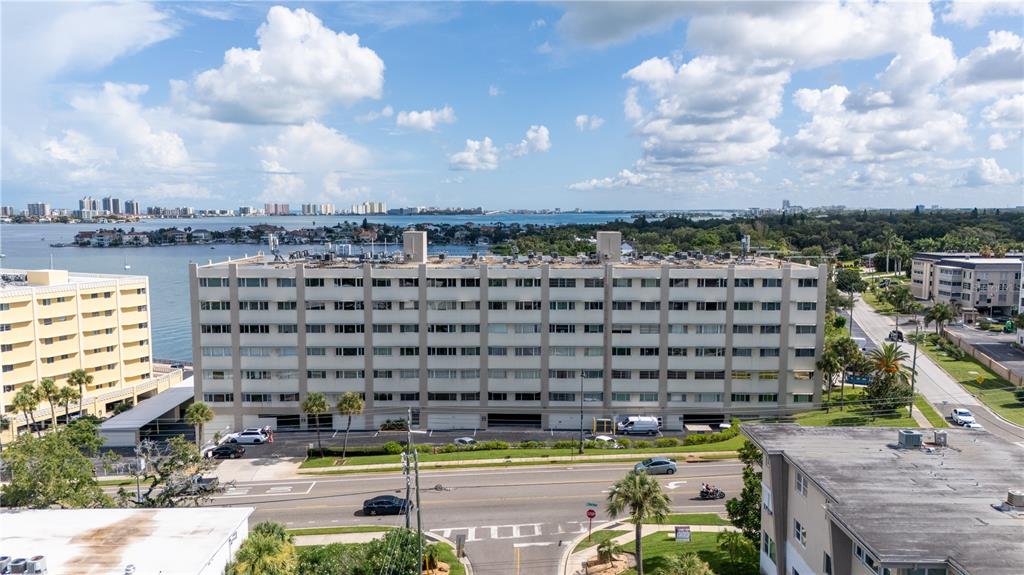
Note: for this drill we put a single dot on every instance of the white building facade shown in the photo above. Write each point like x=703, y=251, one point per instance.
x=476, y=342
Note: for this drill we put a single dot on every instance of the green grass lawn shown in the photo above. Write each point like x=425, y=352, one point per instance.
x=115, y=482
x=854, y=414
x=993, y=391
x=335, y=530
x=696, y=519
x=934, y=417
x=871, y=298
x=555, y=454
x=598, y=538
x=657, y=546
x=448, y=556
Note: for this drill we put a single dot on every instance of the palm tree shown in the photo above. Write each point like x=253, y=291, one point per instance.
x=197, y=415
x=738, y=548
x=5, y=424
x=26, y=401
x=48, y=390
x=939, y=313
x=350, y=404
x=80, y=378
x=888, y=362
x=640, y=495
x=900, y=298
x=316, y=405
x=264, y=554
x=272, y=529
x=830, y=364
x=686, y=563
x=889, y=240
x=67, y=395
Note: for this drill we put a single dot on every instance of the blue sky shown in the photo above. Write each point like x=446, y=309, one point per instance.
x=515, y=105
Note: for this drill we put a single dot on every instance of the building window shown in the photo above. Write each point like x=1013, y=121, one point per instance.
x=252, y=282
x=711, y=282
x=344, y=282
x=741, y=397
x=744, y=282
x=555, y=396
x=527, y=396
x=806, y=306
x=826, y=565
x=805, y=329
x=768, y=546
x=807, y=282
x=593, y=282
x=559, y=282
x=771, y=306
x=650, y=305
x=768, y=398
x=801, y=484
x=769, y=352
x=497, y=282
x=497, y=396
x=442, y=396
x=414, y=396
x=620, y=396
x=743, y=305
x=799, y=532
x=804, y=352
x=676, y=374
x=648, y=397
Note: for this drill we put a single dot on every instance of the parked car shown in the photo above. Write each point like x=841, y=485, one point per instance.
x=253, y=436
x=607, y=441
x=226, y=451
x=657, y=466
x=386, y=505
x=640, y=425
x=199, y=484
x=464, y=441
x=962, y=416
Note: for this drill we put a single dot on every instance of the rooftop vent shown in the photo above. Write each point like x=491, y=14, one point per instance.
x=940, y=438
x=1015, y=498
x=909, y=439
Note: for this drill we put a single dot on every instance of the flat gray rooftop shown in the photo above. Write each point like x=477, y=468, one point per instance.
x=914, y=505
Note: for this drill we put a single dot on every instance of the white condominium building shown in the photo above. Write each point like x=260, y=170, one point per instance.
x=488, y=341
x=53, y=322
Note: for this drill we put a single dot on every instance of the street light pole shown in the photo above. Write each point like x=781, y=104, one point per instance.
x=406, y=462
x=913, y=368
x=581, y=413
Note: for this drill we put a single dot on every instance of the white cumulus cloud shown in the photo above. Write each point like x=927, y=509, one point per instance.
x=588, y=122
x=971, y=12
x=537, y=139
x=621, y=180
x=478, y=155
x=304, y=161
x=300, y=70
x=987, y=172
x=427, y=119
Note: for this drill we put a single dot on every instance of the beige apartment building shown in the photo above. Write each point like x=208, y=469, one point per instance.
x=477, y=342
x=982, y=286
x=53, y=322
x=877, y=501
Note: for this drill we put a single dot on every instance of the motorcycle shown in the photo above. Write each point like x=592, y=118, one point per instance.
x=713, y=493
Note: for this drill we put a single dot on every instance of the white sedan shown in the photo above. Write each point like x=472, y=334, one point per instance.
x=251, y=436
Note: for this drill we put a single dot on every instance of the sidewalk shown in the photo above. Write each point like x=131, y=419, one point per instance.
x=262, y=469
x=689, y=457
x=347, y=538
x=572, y=565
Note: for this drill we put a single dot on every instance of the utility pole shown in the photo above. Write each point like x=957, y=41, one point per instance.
x=405, y=464
x=419, y=518
x=581, y=413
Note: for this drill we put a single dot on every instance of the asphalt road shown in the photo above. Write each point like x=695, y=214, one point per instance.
x=936, y=385
x=539, y=510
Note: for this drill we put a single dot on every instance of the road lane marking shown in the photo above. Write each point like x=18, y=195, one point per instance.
x=533, y=544
x=675, y=484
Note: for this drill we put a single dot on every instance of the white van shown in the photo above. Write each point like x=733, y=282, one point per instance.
x=639, y=425
x=862, y=343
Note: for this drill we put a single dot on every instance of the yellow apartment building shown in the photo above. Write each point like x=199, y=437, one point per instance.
x=53, y=322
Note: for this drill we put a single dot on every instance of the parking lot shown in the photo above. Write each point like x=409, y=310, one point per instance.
x=998, y=346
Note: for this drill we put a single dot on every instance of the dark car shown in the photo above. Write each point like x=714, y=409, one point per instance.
x=386, y=505
x=226, y=451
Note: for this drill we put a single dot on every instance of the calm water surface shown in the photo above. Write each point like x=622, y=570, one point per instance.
x=27, y=246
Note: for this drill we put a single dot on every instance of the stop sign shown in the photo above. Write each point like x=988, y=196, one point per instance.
x=591, y=513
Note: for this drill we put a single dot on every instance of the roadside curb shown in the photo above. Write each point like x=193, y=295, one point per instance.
x=568, y=553
x=439, y=539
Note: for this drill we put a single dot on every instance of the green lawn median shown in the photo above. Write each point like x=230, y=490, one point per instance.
x=994, y=391
x=336, y=530
x=511, y=455
x=934, y=417
x=598, y=538
x=851, y=411
x=658, y=547
x=696, y=519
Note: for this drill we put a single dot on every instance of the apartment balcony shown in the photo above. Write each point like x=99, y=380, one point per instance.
x=24, y=373
x=59, y=309
x=89, y=324
x=635, y=316
x=92, y=305
x=575, y=339
x=19, y=313
x=134, y=317
x=59, y=367
x=635, y=339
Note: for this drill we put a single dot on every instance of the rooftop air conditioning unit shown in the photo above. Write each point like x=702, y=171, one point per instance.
x=1015, y=497
x=909, y=439
x=37, y=564
x=941, y=438
x=19, y=565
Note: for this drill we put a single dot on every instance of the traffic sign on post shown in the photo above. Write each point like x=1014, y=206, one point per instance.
x=591, y=514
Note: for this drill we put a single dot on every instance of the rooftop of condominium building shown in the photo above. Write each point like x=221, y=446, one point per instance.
x=312, y=259
x=968, y=256
x=15, y=279
x=926, y=504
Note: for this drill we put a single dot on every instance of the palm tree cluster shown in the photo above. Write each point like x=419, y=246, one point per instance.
x=29, y=396
x=640, y=496
x=316, y=404
x=941, y=313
